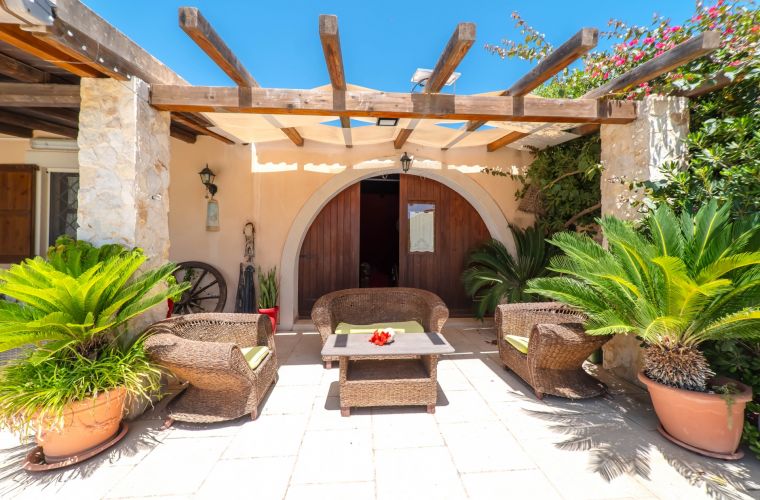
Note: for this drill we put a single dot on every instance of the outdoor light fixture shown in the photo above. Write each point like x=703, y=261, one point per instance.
x=422, y=75
x=406, y=162
x=387, y=122
x=207, y=178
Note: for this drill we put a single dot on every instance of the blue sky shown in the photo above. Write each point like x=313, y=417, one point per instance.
x=383, y=42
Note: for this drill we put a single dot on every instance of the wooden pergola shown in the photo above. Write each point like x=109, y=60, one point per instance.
x=41, y=62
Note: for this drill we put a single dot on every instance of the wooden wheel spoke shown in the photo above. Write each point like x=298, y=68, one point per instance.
x=192, y=300
x=206, y=287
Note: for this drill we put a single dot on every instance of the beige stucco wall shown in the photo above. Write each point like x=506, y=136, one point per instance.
x=270, y=183
x=13, y=150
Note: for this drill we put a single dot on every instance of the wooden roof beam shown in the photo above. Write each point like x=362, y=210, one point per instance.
x=679, y=55
x=29, y=122
x=564, y=55
x=507, y=139
x=388, y=104
x=182, y=133
x=39, y=95
x=196, y=127
x=16, y=131
x=330, y=38
x=457, y=47
x=208, y=40
x=20, y=71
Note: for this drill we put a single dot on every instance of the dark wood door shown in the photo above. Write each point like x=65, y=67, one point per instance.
x=458, y=228
x=329, y=257
x=17, y=196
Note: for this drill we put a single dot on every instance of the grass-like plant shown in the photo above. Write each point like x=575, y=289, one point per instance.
x=268, y=288
x=675, y=283
x=70, y=314
x=492, y=273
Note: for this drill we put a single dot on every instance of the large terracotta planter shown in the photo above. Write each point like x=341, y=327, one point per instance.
x=710, y=424
x=85, y=425
x=273, y=313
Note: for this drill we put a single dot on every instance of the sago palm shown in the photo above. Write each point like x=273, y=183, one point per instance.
x=492, y=273
x=675, y=283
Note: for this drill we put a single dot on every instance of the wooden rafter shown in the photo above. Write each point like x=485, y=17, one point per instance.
x=62, y=116
x=188, y=122
x=182, y=133
x=39, y=95
x=560, y=58
x=330, y=38
x=506, y=139
x=25, y=121
x=388, y=104
x=457, y=47
x=205, y=36
x=679, y=55
x=20, y=71
x=16, y=131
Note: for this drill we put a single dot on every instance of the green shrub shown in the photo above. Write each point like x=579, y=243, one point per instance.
x=268, y=288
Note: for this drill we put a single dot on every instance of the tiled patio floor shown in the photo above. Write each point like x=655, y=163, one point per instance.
x=489, y=438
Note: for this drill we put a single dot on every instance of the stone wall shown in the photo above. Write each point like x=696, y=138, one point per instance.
x=635, y=152
x=123, y=167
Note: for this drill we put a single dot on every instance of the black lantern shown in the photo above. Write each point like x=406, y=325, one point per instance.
x=207, y=178
x=406, y=162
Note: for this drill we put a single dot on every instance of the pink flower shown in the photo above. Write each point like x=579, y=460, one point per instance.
x=633, y=42
x=619, y=62
x=735, y=63
x=729, y=31
x=755, y=28
x=696, y=18
x=638, y=57
x=659, y=53
x=606, y=75
x=648, y=40
x=673, y=29
x=659, y=45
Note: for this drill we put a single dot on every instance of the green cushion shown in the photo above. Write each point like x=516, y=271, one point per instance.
x=254, y=355
x=399, y=326
x=518, y=342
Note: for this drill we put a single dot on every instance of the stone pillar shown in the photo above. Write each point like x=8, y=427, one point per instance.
x=123, y=167
x=635, y=152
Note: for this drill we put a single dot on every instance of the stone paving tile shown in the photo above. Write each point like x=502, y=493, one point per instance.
x=260, y=478
x=461, y=406
x=335, y=456
x=290, y=400
x=175, y=468
x=528, y=483
x=417, y=473
x=325, y=415
x=332, y=491
x=96, y=485
x=268, y=436
x=413, y=428
x=484, y=446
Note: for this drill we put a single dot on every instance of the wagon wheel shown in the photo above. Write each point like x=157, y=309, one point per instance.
x=207, y=292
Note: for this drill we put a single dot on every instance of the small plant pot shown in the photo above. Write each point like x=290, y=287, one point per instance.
x=83, y=426
x=274, y=314
x=709, y=424
x=169, y=308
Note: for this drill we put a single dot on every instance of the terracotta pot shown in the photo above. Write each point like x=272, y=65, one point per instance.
x=273, y=313
x=705, y=423
x=84, y=425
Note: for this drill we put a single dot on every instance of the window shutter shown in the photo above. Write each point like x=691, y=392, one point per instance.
x=17, y=197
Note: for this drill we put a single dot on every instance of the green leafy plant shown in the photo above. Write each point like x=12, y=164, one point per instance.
x=676, y=283
x=69, y=314
x=493, y=274
x=268, y=288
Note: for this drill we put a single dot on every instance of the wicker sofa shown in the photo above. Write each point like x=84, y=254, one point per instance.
x=205, y=350
x=363, y=306
x=557, y=347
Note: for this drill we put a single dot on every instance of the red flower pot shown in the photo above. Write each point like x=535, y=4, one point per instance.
x=274, y=314
x=170, y=308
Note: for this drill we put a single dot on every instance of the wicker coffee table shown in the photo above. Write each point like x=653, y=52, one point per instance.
x=403, y=373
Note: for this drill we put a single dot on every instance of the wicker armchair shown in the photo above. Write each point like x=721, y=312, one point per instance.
x=204, y=350
x=364, y=306
x=557, y=347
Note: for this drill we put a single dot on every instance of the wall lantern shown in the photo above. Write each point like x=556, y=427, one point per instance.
x=406, y=162
x=207, y=178
x=212, y=207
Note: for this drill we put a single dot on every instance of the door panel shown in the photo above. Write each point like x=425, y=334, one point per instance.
x=329, y=257
x=458, y=229
x=17, y=192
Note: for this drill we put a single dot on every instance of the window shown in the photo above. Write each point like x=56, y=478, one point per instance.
x=64, y=187
x=421, y=227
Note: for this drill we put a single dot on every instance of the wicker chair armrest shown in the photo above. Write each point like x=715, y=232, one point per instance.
x=185, y=356
x=323, y=318
x=245, y=330
x=557, y=346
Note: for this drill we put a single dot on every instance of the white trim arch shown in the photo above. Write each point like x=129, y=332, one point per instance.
x=474, y=193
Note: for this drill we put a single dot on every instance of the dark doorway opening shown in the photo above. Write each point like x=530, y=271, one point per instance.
x=378, y=238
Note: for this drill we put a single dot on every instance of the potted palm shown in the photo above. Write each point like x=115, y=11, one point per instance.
x=68, y=316
x=675, y=283
x=268, y=295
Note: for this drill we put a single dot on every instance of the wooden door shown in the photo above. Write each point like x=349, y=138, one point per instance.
x=17, y=195
x=458, y=228
x=329, y=257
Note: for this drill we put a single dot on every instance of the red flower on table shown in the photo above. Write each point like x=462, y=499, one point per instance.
x=381, y=337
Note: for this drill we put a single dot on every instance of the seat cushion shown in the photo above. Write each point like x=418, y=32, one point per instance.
x=518, y=342
x=399, y=326
x=254, y=355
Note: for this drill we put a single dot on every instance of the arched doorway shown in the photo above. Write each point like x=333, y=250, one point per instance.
x=391, y=230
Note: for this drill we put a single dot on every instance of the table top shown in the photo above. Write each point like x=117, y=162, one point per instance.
x=404, y=344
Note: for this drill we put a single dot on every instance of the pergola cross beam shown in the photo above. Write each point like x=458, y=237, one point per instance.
x=330, y=39
x=457, y=47
x=205, y=36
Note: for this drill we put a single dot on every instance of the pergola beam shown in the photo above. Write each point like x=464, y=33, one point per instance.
x=330, y=38
x=457, y=47
x=385, y=104
x=200, y=129
x=208, y=40
x=182, y=133
x=504, y=140
x=16, y=131
x=560, y=58
x=29, y=122
x=679, y=55
x=39, y=95
x=20, y=71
